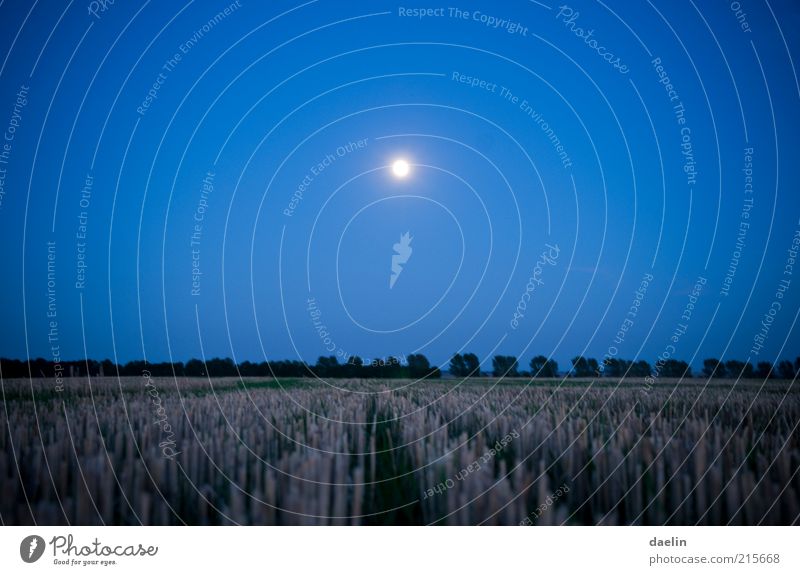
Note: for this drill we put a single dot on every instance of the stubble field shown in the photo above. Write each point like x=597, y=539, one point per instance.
x=161, y=451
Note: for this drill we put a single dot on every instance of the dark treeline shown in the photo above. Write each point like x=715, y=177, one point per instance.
x=414, y=366
x=468, y=365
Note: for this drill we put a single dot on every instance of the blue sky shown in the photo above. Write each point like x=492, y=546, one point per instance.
x=326, y=95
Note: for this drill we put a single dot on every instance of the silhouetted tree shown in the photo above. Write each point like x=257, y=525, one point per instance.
x=613, y=367
x=764, y=370
x=580, y=368
x=391, y=368
x=353, y=367
x=504, y=365
x=418, y=366
x=713, y=368
x=543, y=367
x=13, y=368
x=109, y=368
x=472, y=364
x=194, y=368
x=675, y=368
x=328, y=366
x=135, y=368
x=734, y=368
x=583, y=367
x=458, y=368
x=786, y=370
x=90, y=367
x=640, y=369
x=221, y=367
x=249, y=369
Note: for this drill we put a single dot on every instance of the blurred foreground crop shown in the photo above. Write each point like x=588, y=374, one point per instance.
x=162, y=451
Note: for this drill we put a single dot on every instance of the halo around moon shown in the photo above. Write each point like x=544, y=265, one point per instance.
x=400, y=168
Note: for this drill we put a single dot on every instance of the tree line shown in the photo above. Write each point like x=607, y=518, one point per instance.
x=468, y=365
x=414, y=366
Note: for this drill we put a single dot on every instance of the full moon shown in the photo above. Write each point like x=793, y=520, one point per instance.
x=400, y=168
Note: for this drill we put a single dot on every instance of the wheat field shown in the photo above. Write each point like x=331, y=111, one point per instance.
x=160, y=451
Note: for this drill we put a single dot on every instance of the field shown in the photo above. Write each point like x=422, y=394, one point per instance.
x=226, y=451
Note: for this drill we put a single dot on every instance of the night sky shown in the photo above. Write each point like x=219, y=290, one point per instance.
x=218, y=179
